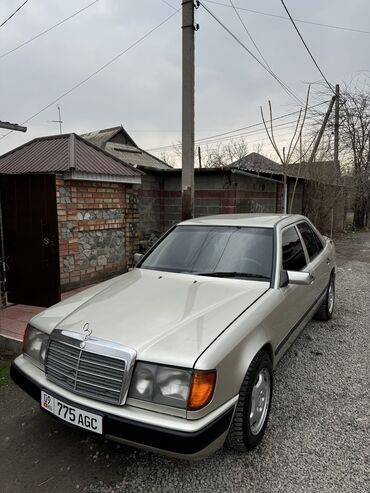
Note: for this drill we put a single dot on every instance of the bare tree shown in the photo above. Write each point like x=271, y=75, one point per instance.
x=355, y=138
x=285, y=155
x=223, y=155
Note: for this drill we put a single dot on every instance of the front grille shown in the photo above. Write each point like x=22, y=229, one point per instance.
x=88, y=371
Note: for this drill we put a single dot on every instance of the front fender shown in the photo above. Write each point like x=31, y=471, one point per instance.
x=233, y=351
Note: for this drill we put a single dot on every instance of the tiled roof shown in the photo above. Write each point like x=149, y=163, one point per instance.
x=59, y=153
x=129, y=152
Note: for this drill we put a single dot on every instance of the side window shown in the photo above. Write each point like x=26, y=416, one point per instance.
x=293, y=254
x=311, y=240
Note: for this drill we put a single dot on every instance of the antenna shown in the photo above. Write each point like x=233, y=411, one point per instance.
x=60, y=121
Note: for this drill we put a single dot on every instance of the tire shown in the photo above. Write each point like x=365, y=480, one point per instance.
x=326, y=309
x=244, y=433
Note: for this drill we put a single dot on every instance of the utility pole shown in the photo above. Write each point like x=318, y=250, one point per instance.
x=336, y=128
x=13, y=126
x=199, y=157
x=318, y=140
x=188, y=101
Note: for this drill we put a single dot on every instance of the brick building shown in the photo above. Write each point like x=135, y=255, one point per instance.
x=69, y=217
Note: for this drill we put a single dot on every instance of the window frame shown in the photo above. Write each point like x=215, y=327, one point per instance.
x=303, y=242
x=295, y=227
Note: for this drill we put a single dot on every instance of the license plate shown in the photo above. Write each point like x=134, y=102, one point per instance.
x=71, y=414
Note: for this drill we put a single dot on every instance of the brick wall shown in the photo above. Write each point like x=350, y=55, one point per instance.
x=98, y=230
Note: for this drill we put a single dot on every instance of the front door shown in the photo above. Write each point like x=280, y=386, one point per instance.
x=30, y=232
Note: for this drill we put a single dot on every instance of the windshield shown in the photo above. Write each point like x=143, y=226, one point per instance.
x=222, y=251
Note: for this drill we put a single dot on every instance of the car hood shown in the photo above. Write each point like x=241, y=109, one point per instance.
x=166, y=317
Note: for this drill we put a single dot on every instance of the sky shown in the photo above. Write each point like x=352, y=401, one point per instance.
x=142, y=88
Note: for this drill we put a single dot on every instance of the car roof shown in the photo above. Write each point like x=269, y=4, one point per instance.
x=252, y=220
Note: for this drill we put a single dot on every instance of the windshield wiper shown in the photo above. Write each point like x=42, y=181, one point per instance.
x=232, y=274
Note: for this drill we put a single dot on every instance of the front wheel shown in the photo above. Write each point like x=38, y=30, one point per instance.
x=252, y=410
x=326, y=309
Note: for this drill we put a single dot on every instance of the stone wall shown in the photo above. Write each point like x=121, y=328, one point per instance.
x=98, y=230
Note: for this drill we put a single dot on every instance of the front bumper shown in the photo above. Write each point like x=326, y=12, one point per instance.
x=170, y=441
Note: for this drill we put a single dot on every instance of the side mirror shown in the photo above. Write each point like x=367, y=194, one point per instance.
x=301, y=278
x=137, y=258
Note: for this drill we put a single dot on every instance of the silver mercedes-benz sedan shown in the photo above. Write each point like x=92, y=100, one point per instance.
x=177, y=356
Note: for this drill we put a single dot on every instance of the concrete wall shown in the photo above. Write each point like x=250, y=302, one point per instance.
x=216, y=192
x=150, y=204
x=298, y=204
x=98, y=230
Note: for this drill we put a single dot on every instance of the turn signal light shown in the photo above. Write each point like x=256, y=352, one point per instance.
x=24, y=341
x=201, y=390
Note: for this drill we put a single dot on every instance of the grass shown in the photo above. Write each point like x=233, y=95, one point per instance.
x=4, y=372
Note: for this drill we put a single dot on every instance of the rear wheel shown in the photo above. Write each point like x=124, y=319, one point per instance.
x=326, y=309
x=252, y=410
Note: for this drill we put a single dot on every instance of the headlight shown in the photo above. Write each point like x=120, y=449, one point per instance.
x=34, y=344
x=170, y=386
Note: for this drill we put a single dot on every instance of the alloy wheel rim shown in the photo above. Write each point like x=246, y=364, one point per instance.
x=331, y=298
x=260, y=401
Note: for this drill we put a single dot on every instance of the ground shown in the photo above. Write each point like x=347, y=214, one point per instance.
x=316, y=441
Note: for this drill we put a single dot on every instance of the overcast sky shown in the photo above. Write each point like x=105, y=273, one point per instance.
x=142, y=89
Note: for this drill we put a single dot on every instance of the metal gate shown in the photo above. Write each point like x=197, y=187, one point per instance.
x=30, y=238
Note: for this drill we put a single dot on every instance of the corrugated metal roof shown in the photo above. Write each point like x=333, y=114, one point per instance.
x=128, y=152
x=59, y=153
x=259, y=163
x=319, y=171
x=135, y=156
x=101, y=137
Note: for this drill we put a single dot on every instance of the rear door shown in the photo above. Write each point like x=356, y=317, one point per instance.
x=319, y=259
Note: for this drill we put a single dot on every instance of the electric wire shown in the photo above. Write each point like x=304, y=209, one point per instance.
x=13, y=14
x=100, y=69
x=249, y=34
x=284, y=126
x=307, y=48
x=168, y=3
x=47, y=30
x=269, y=14
x=279, y=81
x=229, y=132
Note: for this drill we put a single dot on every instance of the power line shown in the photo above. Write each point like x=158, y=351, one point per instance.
x=229, y=132
x=168, y=3
x=100, y=69
x=307, y=48
x=13, y=14
x=269, y=14
x=281, y=83
x=47, y=30
x=249, y=34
